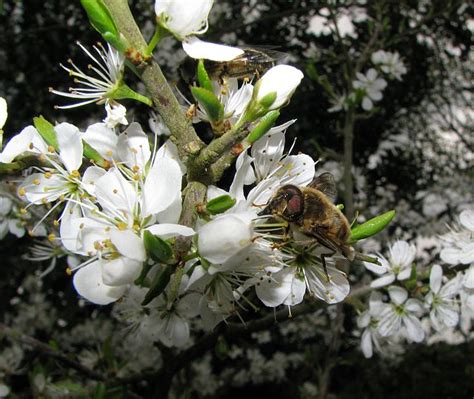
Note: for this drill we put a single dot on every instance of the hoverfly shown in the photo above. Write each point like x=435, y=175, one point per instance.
x=311, y=211
x=254, y=62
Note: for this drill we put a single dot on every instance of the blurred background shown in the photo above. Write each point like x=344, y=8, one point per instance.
x=412, y=152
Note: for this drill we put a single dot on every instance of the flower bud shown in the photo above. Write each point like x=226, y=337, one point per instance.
x=183, y=17
x=273, y=90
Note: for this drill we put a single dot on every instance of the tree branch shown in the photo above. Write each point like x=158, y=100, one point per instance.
x=166, y=103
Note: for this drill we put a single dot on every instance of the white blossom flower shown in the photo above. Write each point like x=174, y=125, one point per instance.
x=372, y=87
x=397, y=267
x=187, y=18
x=369, y=320
x=112, y=234
x=116, y=114
x=108, y=67
x=459, y=242
x=401, y=313
x=444, y=311
x=390, y=63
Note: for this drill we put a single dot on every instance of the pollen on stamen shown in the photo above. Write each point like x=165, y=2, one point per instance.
x=50, y=148
x=68, y=271
x=52, y=237
x=22, y=193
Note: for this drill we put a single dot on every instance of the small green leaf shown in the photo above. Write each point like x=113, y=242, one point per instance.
x=312, y=72
x=210, y=102
x=46, y=130
x=100, y=391
x=158, y=249
x=220, y=204
x=371, y=227
x=263, y=126
x=203, y=77
x=93, y=155
x=102, y=21
x=158, y=284
x=340, y=206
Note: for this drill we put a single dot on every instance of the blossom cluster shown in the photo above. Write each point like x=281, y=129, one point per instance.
x=417, y=303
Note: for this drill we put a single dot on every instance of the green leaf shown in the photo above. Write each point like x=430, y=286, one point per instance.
x=158, y=284
x=312, y=72
x=220, y=204
x=263, y=126
x=101, y=19
x=210, y=102
x=93, y=155
x=46, y=130
x=158, y=249
x=203, y=77
x=141, y=278
x=100, y=391
x=371, y=227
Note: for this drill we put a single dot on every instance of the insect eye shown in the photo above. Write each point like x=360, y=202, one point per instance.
x=294, y=207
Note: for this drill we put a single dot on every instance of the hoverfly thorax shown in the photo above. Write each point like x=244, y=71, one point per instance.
x=288, y=203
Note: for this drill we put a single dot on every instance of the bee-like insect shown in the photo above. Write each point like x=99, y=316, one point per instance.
x=254, y=61
x=311, y=211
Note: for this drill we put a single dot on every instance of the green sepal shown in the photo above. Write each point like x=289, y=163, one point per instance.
x=340, y=207
x=93, y=155
x=410, y=284
x=158, y=249
x=263, y=126
x=267, y=100
x=203, y=77
x=220, y=204
x=158, y=284
x=371, y=227
x=141, y=278
x=210, y=102
x=46, y=130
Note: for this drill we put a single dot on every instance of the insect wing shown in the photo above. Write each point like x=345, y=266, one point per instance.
x=326, y=184
x=334, y=245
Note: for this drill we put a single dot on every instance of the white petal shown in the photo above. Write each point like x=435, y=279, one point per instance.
x=243, y=176
x=377, y=269
x=162, y=186
x=298, y=170
x=297, y=291
x=414, y=306
x=102, y=139
x=366, y=343
x=436, y=277
x=466, y=256
x=28, y=140
x=414, y=328
x=169, y=230
x=3, y=112
x=88, y=283
x=450, y=255
x=68, y=230
x=171, y=214
x=389, y=323
x=367, y=103
x=70, y=146
x=282, y=80
x=128, y=244
x=214, y=192
x=398, y=295
x=133, y=147
x=449, y=314
x=383, y=281
x=199, y=49
x=120, y=271
x=333, y=291
x=183, y=17
x=274, y=289
x=169, y=150
x=177, y=330
x=468, y=280
x=402, y=254
x=363, y=320
x=90, y=177
x=115, y=193
x=466, y=218
x=38, y=188
x=404, y=274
